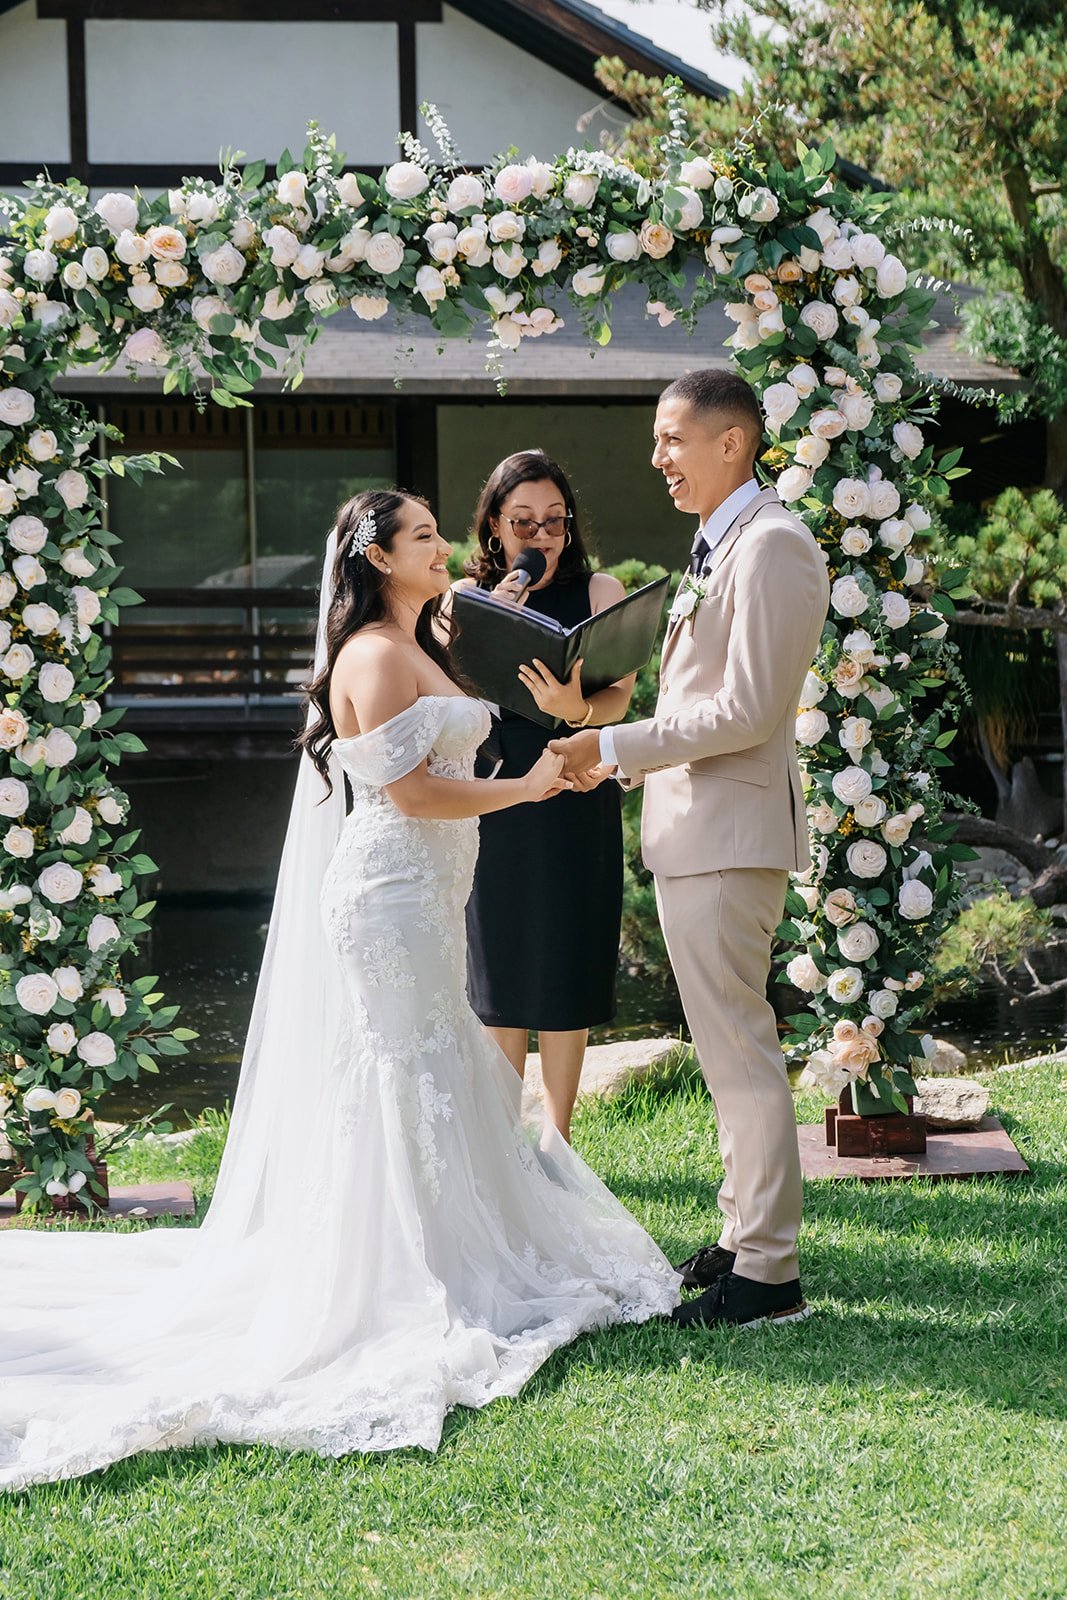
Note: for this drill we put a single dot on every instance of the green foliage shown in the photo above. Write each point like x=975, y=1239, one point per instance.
x=1017, y=554
x=1006, y=328
x=993, y=932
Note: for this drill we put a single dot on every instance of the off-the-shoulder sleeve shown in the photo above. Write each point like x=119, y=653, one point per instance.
x=395, y=748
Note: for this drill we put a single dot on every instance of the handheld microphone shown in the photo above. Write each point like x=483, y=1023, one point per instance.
x=530, y=566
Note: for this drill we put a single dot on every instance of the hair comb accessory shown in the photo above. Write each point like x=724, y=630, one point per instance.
x=365, y=534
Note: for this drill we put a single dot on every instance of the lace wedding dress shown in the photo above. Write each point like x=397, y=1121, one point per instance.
x=387, y=1240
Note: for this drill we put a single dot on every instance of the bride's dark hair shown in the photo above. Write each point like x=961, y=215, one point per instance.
x=358, y=598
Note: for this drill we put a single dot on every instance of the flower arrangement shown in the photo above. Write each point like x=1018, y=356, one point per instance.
x=212, y=283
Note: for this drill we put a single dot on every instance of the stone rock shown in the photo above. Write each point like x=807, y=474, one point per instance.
x=951, y=1102
x=947, y=1058
x=608, y=1069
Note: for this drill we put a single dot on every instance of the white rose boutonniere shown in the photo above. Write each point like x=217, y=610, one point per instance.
x=691, y=591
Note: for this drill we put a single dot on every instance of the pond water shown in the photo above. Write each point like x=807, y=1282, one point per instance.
x=207, y=956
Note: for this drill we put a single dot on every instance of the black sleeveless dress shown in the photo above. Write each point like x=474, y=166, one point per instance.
x=544, y=915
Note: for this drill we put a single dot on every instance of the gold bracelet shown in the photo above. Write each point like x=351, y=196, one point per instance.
x=585, y=719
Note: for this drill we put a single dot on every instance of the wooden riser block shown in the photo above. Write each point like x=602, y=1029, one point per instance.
x=892, y=1135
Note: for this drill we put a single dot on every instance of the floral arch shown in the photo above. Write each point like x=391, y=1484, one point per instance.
x=212, y=283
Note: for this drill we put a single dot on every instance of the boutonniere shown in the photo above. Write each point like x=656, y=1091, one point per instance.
x=691, y=591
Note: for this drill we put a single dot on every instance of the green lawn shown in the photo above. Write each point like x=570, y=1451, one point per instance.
x=908, y=1440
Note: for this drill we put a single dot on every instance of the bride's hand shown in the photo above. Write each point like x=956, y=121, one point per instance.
x=545, y=778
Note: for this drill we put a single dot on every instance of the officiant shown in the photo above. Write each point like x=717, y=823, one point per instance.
x=544, y=916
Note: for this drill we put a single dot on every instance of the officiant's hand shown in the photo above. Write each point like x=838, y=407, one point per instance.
x=564, y=700
x=581, y=752
x=515, y=588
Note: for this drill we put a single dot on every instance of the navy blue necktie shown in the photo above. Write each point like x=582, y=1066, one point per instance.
x=700, y=550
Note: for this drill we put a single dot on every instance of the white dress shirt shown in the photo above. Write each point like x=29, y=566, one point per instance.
x=714, y=531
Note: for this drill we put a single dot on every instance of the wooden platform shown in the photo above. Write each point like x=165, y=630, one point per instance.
x=142, y=1201
x=969, y=1154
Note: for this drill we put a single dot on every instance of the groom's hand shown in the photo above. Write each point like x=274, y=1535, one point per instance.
x=581, y=752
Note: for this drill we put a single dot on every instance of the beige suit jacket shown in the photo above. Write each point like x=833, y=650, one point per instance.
x=719, y=756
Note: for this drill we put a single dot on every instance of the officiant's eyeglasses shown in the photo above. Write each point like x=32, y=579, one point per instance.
x=527, y=528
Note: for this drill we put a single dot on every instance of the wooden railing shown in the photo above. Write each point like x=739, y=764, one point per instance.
x=258, y=654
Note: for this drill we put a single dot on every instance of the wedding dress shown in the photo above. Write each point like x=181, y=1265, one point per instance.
x=387, y=1239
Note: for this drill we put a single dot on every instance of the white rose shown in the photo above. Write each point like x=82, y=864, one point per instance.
x=385, y=253
x=308, y=262
x=917, y=516
x=369, y=307
x=16, y=406
x=847, y=291
x=839, y=907
x=780, y=401
x=828, y=423
x=61, y=222
x=866, y=859
x=404, y=180
x=18, y=842
x=915, y=901
x=118, y=211
x=131, y=249
x=812, y=691
x=276, y=306
x=145, y=297
x=40, y=619
x=588, y=281
x=223, y=265
x=803, y=974
x=67, y=1104
x=793, y=483
x=14, y=797
x=858, y=942
x=87, y=602
x=811, y=726
x=508, y=261
x=867, y=250
x=896, y=829
x=821, y=318
x=879, y=695
x=95, y=263
x=857, y=410
x=759, y=205
x=73, y=488
x=580, y=189
x=845, y=985
x=206, y=307
x=103, y=881
x=13, y=728
x=852, y=497
x=29, y=571
x=292, y=189
x=855, y=541
x=884, y=498
x=17, y=662
x=895, y=534
x=59, y=748
x=908, y=439
x=96, y=1050
x=8, y=498
x=804, y=378
x=40, y=265
x=430, y=284
x=823, y=819
x=348, y=190
x=114, y=999
x=623, y=245
x=144, y=348
x=851, y=785
x=36, y=993
x=882, y=1002
x=855, y=733
x=465, y=193
x=542, y=177
x=60, y=883
x=283, y=245
x=869, y=812
x=79, y=829
x=42, y=444
x=55, y=682
x=38, y=1098
x=811, y=452
x=508, y=332
x=810, y=896
x=896, y=609
x=892, y=277
x=243, y=233
x=10, y=309
x=859, y=645
x=61, y=1040
x=847, y=598
x=887, y=387
x=697, y=173
x=512, y=184
x=321, y=296
x=102, y=930
x=691, y=213
x=770, y=323
x=28, y=534
x=68, y=981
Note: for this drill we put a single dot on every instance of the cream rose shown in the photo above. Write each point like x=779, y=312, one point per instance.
x=821, y=318
x=18, y=842
x=59, y=748
x=780, y=401
x=888, y=387
x=114, y=999
x=69, y=983
x=61, y=1039
x=588, y=281
x=804, y=378
x=145, y=348
x=40, y=619
x=385, y=253
x=405, y=180
x=847, y=598
x=858, y=942
x=308, y=263
x=803, y=974
x=14, y=797
x=896, y=609
x=812, y=691
x=96, y=1050
x=896, y=829
x=828, y=423
x=27, y=534
x=580, y=189
x=102, y=930
x=36, y=993
x=623, y=245
x=892, y=277
x=884, y=498
x=657, y=240
x=370, y=307
x=852, y=497
x=855, y=733
x=87, y=603
x=38, y=1098
x=430, y=284
x=845, y=985
x=56, y=683
x=811, y=726
x=465, y=193
x=811, y=452
x=13, y=728
x=908, y=439
x=848, y=678
x=855, y=541
x=839, y=907
x=348, y=190
x=223, y=265
x=794, y=483
x=17, y=662
x=60, y=883
x=79, y=829
x=118, y=212
x=866, y=859
x=869, y=813
x=16, y=407
x=915, y=901
x=857, y=410
x=823, y=819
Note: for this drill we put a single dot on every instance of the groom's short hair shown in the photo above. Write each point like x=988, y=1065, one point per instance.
x=724, y=394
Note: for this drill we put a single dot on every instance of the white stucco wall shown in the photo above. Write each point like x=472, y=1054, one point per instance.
x=180, y=91
x=33, y=89
x=494, y=95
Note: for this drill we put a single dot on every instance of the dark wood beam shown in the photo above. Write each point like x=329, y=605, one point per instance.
x=242, y=10
x=77, y=103
x=408, y=75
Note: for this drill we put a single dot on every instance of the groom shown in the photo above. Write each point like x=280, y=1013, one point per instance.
x=724, y=820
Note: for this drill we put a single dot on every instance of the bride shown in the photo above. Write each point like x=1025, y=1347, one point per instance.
x=387, y=1240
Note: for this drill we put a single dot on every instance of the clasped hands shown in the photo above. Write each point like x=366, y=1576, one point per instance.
x=581, y=752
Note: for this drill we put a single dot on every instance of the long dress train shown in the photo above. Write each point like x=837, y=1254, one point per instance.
x=388, y=1240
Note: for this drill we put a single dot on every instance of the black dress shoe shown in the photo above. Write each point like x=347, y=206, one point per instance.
x=743, y=1302
x=706, y=1266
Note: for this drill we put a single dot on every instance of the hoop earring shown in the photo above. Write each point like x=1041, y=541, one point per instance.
x=495, y=551
x=566, y=538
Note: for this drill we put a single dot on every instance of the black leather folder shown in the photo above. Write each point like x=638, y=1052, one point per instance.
x=492, y=639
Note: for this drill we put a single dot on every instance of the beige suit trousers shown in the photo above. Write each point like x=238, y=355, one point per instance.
x=718, y=927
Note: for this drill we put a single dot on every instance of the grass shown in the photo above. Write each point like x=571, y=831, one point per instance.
x=907, y=1441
